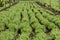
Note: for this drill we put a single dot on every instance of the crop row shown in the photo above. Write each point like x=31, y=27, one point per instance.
x=29, y=22
x=51, y=3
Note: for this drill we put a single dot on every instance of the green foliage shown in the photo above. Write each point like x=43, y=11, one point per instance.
x=29, y=21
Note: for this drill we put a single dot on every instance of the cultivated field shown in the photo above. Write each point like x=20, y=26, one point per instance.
x=28, y=21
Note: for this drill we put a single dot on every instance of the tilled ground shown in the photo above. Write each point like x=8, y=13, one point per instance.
x=28, y=21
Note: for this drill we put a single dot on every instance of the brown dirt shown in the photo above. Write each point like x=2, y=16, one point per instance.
x=49, y=8
x=3, y=9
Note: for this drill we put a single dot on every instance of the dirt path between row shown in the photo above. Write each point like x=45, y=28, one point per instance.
x=3, y=9
x=47, y=8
